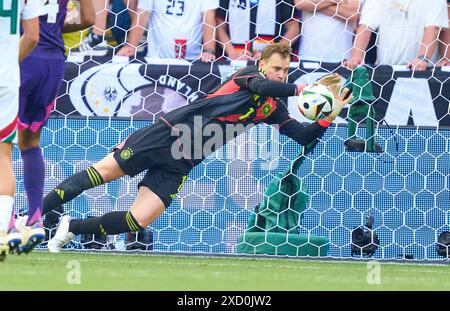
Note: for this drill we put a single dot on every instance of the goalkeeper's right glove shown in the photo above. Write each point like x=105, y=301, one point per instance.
x=342, y=96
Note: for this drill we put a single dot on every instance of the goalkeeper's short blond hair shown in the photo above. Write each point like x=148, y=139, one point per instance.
x=281, y=48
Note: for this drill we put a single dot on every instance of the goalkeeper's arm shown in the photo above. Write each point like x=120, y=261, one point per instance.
x=264, y=87
x=305, y=135
x=290, y=127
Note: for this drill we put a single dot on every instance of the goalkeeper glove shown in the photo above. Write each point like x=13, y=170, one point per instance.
x=342, y=96
x=330, y=80
x=327, y=80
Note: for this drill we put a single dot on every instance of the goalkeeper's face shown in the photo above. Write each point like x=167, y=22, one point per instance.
x=275, y=67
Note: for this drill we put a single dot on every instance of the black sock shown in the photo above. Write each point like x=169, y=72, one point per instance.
x=110, y=223
x=70, y=188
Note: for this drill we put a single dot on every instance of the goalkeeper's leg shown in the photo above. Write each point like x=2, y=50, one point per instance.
x=156, y=191
x=102, y=172
x=146, y=208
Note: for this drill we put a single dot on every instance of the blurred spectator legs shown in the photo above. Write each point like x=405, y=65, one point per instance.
x=95, y=43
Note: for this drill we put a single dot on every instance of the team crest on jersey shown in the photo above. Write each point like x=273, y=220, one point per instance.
x=266, y=109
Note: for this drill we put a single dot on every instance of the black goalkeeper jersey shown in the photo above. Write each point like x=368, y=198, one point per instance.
x=245, y=99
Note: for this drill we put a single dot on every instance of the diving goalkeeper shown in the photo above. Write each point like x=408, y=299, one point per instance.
x=248, y=97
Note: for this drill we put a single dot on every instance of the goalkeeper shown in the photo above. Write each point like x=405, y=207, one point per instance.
x=247, y=98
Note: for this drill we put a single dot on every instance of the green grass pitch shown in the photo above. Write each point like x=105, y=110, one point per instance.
x=113, y=271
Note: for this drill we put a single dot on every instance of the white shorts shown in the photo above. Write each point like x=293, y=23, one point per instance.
x=9, y=109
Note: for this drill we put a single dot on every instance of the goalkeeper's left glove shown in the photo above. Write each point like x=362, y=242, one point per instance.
x=330, y=80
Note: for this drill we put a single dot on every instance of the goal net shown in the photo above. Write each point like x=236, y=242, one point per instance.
x=404, y=186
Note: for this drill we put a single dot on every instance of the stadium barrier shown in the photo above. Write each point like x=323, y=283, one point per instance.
x=99, y=87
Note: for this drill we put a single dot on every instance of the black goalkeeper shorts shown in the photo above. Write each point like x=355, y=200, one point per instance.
x=149, y=148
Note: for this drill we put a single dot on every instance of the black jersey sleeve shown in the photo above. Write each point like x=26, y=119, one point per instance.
x=266, y=87
x=251, y=79
x=290, y=127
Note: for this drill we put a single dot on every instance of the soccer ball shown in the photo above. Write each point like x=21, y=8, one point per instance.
x=315, y=102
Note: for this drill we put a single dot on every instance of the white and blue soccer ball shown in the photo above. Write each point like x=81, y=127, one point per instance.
x=315, y=102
